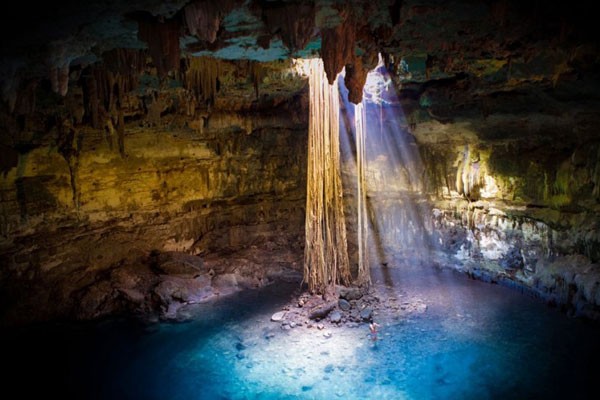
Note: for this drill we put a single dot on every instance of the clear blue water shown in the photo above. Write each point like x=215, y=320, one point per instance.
x=475, y=341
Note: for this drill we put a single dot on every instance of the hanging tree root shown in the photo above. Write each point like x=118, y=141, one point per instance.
x=325, y=255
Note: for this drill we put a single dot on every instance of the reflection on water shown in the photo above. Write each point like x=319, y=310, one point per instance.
x=475, y=341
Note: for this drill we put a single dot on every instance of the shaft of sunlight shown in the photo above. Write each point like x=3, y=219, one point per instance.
x=382, y=155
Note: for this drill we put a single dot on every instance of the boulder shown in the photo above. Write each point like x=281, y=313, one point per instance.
x=322, y=310
x=225, y=284
x=350, y=293
x=173, y=288
x=366, y=314
x=278, y=316
x=335, y=317
x=344, y=305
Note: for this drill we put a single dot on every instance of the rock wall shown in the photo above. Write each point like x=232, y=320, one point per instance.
x=510, y=198
x=190, y=211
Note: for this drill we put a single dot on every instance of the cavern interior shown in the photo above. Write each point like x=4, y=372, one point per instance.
x=254, y=199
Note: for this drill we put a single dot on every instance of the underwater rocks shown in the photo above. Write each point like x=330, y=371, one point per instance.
x=278, y=316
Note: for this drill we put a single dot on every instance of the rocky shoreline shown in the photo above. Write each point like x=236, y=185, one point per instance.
x=166, y=286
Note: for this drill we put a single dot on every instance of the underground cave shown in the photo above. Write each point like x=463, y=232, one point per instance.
x=253, y=199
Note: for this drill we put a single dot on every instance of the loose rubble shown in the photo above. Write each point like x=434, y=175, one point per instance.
x=351, y=307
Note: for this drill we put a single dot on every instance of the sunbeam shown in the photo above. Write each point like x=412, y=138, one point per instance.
x=384, y=170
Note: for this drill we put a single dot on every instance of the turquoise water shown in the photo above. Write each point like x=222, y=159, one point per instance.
x=474, y=341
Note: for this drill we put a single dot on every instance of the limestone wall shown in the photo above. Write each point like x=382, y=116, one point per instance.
x=210, y=190
x=510, y=197
x=514, y=199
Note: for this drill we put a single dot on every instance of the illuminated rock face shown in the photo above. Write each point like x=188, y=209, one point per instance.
x=517, y=201
x=236, y=185
x=510, y=197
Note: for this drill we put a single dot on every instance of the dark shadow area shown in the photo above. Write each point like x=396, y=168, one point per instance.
x=123, y=358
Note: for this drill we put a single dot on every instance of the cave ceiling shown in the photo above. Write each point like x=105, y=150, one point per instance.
x=440, y=52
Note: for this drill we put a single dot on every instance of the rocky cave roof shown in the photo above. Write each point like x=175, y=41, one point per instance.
x=526, y=42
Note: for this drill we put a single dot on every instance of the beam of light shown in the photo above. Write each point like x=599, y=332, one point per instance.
x=363, y=275
x=393, y=175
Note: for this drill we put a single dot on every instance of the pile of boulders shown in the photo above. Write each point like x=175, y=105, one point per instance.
x=348, y=306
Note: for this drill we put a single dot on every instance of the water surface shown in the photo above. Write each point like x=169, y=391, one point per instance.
x=475, y=341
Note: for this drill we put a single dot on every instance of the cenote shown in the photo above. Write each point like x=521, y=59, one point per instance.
x=474, y=341
x=248, y=199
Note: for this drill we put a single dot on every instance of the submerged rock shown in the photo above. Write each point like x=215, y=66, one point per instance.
x=278, y=316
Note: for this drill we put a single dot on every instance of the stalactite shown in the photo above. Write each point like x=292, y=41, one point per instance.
x=364, y=277
x=395, y=11
x=468, y=177
x=59, y=79
x=163, y=43
x=69, y=145
x=127, y=63
x=58, y=62
x=119, y=84
x=201, y=78
x=10, y=86
x=595, y=175
x=294, y=22
x=256, y=74
x=98, y=87
x=91, y=101
x=337, y=47
x=499, y=12
x=355, y=78
x=203, y=17
x=325, y=254
x=25, y=99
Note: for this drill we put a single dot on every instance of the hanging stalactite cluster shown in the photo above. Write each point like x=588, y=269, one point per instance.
x=338, y=51
x=337, y=47
x=203, y=17
x=202, y=78
x=293, y=22
x=58, y=67
x=256, y=75
x=106, y=87
x=162, y=37
x=69, y=146
x=325, y=254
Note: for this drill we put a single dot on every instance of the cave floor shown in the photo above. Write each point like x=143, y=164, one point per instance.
x=441, y=335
